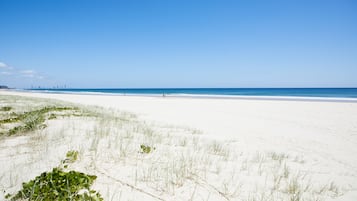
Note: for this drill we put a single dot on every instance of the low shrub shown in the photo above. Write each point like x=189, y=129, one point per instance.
x=59, y=185
x=146, y=149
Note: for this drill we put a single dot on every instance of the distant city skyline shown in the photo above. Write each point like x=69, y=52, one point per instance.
x=179, y=44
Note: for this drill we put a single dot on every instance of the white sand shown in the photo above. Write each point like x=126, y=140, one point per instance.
x=325, y=133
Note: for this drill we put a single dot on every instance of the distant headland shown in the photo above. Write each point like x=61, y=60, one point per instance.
x=3, y=87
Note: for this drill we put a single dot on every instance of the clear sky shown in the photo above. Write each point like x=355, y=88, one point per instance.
x=183, y=43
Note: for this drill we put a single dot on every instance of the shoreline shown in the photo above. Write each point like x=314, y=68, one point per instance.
x=202, y=96
x=223, y=115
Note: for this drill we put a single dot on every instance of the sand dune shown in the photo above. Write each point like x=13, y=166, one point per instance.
x=323, y=133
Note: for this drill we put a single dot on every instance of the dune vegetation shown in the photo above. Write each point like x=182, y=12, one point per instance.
x=105, y=154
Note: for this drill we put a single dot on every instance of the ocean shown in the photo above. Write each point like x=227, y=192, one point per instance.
x=219, y=92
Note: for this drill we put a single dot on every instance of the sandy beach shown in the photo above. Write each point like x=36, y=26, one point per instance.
x=319, y=138
x=178, y=100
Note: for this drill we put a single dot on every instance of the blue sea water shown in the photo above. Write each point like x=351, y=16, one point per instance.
x=264, y=92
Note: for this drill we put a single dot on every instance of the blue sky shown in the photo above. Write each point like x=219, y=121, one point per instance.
x=152, y=43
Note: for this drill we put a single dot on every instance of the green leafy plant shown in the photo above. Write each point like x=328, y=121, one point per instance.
x=72, y=156
x=59, y=185
x=146, y=149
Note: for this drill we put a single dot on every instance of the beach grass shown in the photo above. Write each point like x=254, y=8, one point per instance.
x=136, y=160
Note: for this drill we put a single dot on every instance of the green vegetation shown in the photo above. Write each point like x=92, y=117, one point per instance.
x=5, y=109
x=32, y=120
x=59, y=185
x=52, y=116
x=71, y=157
x=217, y=169
x=9, y=120
x=146, y=149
